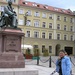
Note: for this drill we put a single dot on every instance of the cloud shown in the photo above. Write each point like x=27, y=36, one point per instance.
x=72, y=8
x=65, y=4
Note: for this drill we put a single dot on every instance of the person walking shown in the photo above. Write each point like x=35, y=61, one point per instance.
x=63, y=64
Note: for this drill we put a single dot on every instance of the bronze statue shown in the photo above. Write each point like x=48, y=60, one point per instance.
x=8, y=16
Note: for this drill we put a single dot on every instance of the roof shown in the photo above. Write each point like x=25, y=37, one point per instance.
x=45, y=7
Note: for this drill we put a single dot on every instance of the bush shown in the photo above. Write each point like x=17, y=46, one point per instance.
x=36, y=52
x=28, y=51
x=28, y=54
x=45, y=53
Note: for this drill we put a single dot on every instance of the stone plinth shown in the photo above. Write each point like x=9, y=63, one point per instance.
x=10, y=48
x=20, y=71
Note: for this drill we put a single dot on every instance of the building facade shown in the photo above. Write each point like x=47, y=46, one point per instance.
x=45, y=26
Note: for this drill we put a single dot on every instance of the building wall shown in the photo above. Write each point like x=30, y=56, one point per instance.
x=21, y=11
x=47, y=42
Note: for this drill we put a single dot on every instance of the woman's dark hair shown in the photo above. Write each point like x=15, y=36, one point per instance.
x=62, y=51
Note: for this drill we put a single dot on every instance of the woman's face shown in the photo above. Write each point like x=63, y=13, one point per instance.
x=61, y=54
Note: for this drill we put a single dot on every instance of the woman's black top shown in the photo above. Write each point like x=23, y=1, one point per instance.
x=60, y=67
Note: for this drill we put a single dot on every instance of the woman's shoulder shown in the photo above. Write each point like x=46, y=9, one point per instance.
x=66, y=57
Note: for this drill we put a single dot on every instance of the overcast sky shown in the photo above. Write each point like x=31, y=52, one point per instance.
x=65, y=4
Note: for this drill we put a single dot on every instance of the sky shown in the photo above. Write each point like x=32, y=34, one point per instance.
x=65, y=4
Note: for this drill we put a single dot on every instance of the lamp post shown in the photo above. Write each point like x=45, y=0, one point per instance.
x=26, y=14
x=74, y=48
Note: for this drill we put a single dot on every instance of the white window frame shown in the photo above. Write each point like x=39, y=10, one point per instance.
x=71, y=37
x=43, y=35
x=50, y=35
x=50, y=16
x=58, y=38
x=12, y=1
x=36, y=14
x=71, y=28
x=28, y=22
x=44, y=15
x=43, y=24
x=21, y=22
x=1, y=8
x=50, y=49
x=65, y=19
x=58, y=17
x=65, y=37
x=29, y=13
x=58, y=26
x=36, y=34
x=27, y=33
x=21, y=11
x=65, y=27
x=36, y=23
x=50, y=25
x=71, y=20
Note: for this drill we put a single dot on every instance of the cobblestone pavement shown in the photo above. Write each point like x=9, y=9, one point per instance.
x=44, y=62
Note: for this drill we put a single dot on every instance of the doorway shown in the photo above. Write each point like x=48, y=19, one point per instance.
x=58, y=46
x=69, y=50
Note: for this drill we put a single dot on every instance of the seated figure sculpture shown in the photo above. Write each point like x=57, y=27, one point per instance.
x=8, y=16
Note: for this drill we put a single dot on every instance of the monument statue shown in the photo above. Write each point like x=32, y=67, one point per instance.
x=11, y=55
x=8, y=16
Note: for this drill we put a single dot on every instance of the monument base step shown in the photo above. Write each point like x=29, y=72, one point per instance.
x=19, y=71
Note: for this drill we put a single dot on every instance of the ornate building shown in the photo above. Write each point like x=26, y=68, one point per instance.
x=45, y=26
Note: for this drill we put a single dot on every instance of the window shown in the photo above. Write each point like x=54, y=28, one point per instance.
x=44, y=15
x=36, y=34
x=1, y=8
x=24, y=2
x=65, y=37
x=21, y=11
x=34, y=4
x=71, y=37
x=21, y=22
x=58, y=17
x=36, y=23
x=43, y=35
x=11, y=0
x=65, y=28
x=43, y=47
x=71, y=28
x=43, y=24
x=50, y=35
x=56, y=9
x=58, y=26
x=65, y=19
x=50, y=25
x=37, y=14
x=29, y=12
x=51, y=16
x=58, y=36
x=35, y=46
x=28, y=34
x=50, y=49
x=28, y=22
x=71, y=20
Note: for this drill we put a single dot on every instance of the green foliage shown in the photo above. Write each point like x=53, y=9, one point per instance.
x=45, y=53
x=28, y=51
x=36, y=52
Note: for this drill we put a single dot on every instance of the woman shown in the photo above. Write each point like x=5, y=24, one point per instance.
x=63, y=64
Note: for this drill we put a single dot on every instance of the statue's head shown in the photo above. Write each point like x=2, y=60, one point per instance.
x=10, y=2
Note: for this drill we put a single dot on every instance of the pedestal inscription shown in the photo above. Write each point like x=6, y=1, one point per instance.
x=12, y=43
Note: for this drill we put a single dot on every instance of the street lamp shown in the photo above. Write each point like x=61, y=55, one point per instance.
x=74, y=48
x=26, y=14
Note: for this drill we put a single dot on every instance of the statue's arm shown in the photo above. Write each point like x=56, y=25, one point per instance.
x=8, y=11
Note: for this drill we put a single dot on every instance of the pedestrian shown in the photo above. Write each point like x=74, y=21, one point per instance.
x=63, y=64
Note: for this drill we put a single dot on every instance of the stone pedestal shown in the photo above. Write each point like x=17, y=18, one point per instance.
x=10, y=48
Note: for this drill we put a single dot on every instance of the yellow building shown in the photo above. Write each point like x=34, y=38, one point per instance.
x=45, y=26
